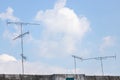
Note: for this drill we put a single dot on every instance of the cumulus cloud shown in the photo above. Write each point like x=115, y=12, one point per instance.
x=7, y=58
x=63, y=29
x=10, y=65
x=10, y=35
x=60, y=4
x=107, y=41
x=8, y=15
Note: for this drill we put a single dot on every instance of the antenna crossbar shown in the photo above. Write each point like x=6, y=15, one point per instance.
x=21, y=35
x=22, y=23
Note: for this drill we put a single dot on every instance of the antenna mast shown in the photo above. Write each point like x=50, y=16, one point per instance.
x=75, y=61
x=21, y=36
x=96, y=58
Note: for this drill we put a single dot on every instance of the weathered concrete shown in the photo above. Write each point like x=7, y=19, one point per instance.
x=56, y=77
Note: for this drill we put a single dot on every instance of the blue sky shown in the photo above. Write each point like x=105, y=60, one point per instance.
x=83, y=28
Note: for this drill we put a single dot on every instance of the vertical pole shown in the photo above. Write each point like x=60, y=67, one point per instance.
x=75, y=64
x=22, y=51
x=102, y=66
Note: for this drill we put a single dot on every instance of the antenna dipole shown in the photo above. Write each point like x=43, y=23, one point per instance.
x=21, y=36
x=96, y=58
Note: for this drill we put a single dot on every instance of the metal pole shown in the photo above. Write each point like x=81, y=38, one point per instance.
x=102, y=66
x=22, y=51
x=75, y=64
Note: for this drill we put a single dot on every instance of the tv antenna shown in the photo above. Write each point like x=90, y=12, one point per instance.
x=96, y=58
x=75, y=61
x=21, y=36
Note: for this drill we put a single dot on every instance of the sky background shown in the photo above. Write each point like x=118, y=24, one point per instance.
x=67, y=27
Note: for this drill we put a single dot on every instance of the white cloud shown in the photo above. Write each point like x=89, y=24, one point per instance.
x=8, y=15
x=10, y=35
x=63, y=29
x=6, y=58
x=108, y=41
x=31, y=68
x=10, y=65
x=60, y=4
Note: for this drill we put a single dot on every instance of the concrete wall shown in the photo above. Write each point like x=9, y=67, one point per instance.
x=56, y=77
x=102, y=77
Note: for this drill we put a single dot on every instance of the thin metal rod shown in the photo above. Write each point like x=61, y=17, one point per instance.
x=22, y=51
x=102, y=66
x=75, y=64
x=21, y=35
x=22, y=23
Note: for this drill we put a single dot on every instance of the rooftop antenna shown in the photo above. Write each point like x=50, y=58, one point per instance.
x=75, y=61
x=21, y=36
x=96, y=58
